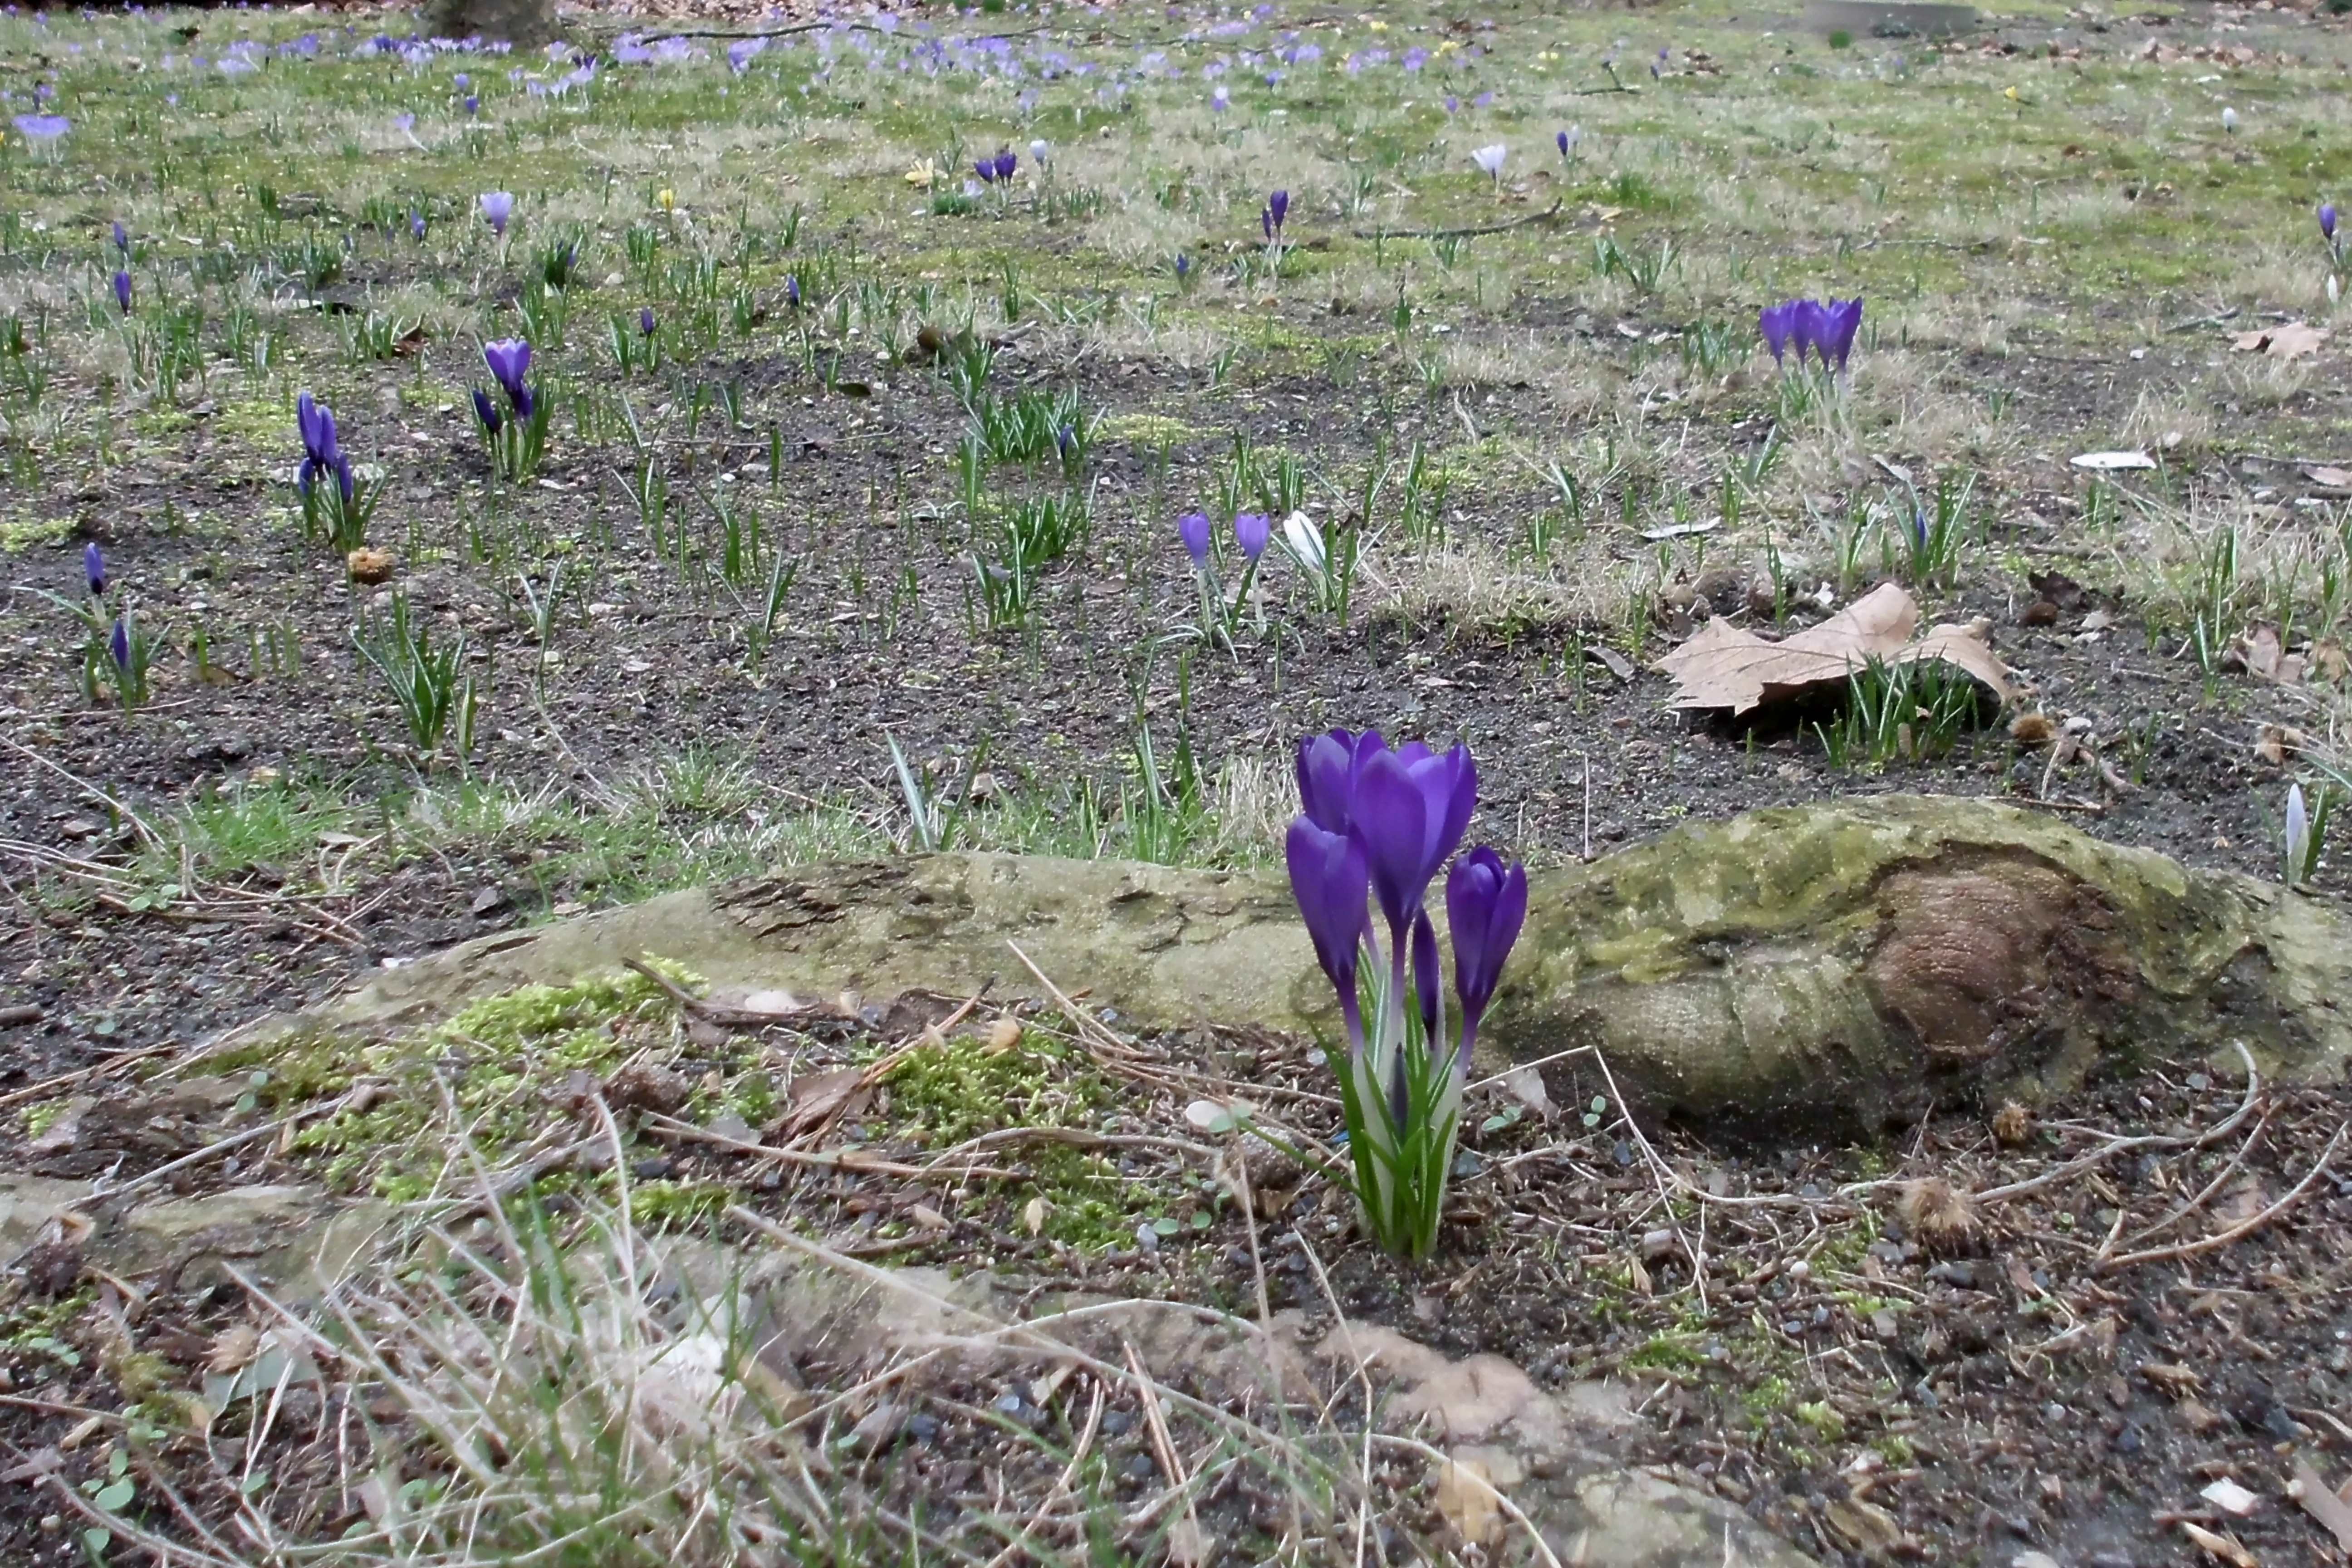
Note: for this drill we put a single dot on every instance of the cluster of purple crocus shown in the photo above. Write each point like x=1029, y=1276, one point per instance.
x=1252, y=530
x=508, y=359
x=322, y=451
x=1001, y=168
x=1813, y=326
x=1377, y=826
x=1381, y=821
x=1269, y=218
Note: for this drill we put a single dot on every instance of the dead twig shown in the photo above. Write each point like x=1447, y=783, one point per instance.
x=49, y=1086
x=837, y=1158
x=1077, y=1137
x=2242, y=1228
x=1474, y=230
x=2193, y=1205
x=146, y=829
x=2115, y=1146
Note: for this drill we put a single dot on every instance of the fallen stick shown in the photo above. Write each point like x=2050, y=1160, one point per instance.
x=1520, y=222
x=2244, y=1227
x=839, y=1159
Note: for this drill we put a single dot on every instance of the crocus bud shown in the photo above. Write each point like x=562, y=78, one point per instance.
x=122, y=291
x=646, y=321
x=1251, y=532
x=93, y=566
x=122, y=236
x=2327, y=221
x=2298, y=836
x=486, y=411
x=1192, y=528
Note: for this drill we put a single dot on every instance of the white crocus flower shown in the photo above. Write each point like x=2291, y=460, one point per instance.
x=1303, y=541
x=1037, y=150
x=2230, y=121
x=2298, y=837
x=1490, y=159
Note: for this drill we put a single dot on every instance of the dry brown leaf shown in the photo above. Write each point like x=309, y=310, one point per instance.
x=1728, y=666
x=1188, y=1545
x=233, y=1348
x=2331, y=1510
x=1465, y=1495
x=2327, y=660
x=1864, y=1526
x=2274, y=743
x=2220, y=1546
x=2291, y=340
x=812, y=1097
x=2333, y=477
x=2261, y=655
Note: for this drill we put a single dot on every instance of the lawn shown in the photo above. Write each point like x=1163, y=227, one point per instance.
x=838, y=506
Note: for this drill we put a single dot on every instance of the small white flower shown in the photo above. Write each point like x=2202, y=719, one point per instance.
x=1490, y=159
x=2230, y=121
x=1303, y=541
x=1037, y=150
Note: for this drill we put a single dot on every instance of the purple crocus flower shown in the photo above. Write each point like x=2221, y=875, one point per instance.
x=123, y=237
x=510, y=363
x=1808, y=328
x=473, y=104
x=1251, y=532
x=646, y=321
x=1277, y=206
x=486, y=411
x=42, y=130
x=1006, y=162
x=123, y=291
x=93, y=567
x=2326, y=222
x=1184, y=266
x=1841, y=320
x=1410, y=806
x=416, y=226
x=793, y=290
x=323, y=450
x=1328, y=878
x=1329, y=766
x=119, y=643
x=986, y=169
x=1777, y=321
x=1192, y=528
x=1486, y=904
x=498, y=206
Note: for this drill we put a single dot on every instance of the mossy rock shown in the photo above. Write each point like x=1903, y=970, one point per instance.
x=1828, y=969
